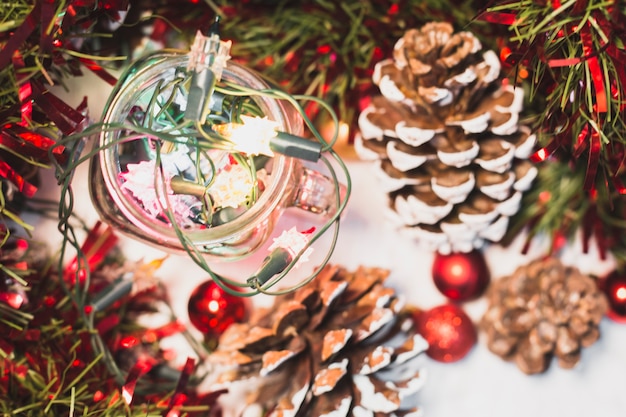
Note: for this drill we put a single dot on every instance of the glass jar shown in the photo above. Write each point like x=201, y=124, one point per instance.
x=289, y=183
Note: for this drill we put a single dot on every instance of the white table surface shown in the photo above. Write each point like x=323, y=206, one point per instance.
x=481, y=384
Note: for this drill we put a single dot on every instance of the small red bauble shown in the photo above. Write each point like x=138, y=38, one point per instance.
x=614, y=287
x=449, y=332
x=12, y=293
x=211, y=309
x=461, y=276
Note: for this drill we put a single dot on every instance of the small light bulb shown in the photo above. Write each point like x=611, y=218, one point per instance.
x=253, y=136
x=260, y=136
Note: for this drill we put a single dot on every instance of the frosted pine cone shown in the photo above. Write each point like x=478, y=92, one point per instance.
x=543, y=309
x=342, y=346
x=445, y=133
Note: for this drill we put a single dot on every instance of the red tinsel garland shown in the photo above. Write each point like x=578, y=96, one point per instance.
x=32, y=126
x=583, y=95
x=597, y=34
x=50, y=340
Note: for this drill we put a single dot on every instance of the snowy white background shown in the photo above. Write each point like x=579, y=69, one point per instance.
x=481, y=384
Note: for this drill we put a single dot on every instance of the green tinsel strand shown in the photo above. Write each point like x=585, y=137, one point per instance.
x=11, y=16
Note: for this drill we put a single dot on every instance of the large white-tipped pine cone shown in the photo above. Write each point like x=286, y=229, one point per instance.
x=445, y=133
x=344, y=345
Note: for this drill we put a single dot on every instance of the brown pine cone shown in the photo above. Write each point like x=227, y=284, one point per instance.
x=543, y=309
x=452, y=156
x=342, y=345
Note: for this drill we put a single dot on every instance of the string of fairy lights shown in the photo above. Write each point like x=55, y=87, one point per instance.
x=160, y=131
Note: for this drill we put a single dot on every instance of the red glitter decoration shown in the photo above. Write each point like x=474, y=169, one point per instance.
x=461, y=276
x=211, y=309
x=12, y=295
x=614, y=287
x=97, y=245
x=449, y=332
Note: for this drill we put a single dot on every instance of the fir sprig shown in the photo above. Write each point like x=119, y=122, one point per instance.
x=573, y=51
x=556, y=208
x=47, y=366
x=11, y=17
x=328, y=49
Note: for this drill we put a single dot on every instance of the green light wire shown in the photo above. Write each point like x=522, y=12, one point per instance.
x=239, y=100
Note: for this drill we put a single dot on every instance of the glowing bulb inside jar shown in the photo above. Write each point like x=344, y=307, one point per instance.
x=232, y=186
x=260, y=136
x=253, y=136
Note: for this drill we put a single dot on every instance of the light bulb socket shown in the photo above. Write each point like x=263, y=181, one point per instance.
x=200, y=88
x=296, y=146
x=207, y=59
x=273, y=264
x=118, y=289
x=179, y=185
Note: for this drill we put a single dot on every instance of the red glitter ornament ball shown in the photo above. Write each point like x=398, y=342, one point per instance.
x=449, y=332
x=461, y=276
x=614, y=287
x=211, y=309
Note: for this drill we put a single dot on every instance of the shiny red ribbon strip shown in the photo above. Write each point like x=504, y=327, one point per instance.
x=593, y=161
x=498, y=17
x=46, y=19
x=98, y=243
x=545, y=152
x=67, y=119
x=178, y=396
x=108, y=323
x=592, y=226
x=582, y=141
x=21, y=140
x=597, y=77
x=97, y=69
x=22, y=185
x=128, y=389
